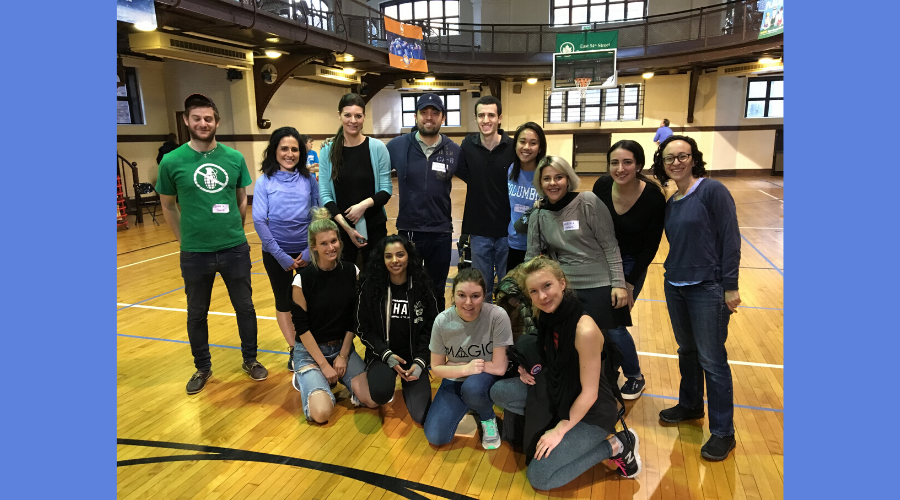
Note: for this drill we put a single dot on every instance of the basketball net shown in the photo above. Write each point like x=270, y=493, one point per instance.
x=582, y=84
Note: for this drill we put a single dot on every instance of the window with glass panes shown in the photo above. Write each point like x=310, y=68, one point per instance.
x=442, y=16
x=564, y=12
x=617, y=104
x=128, y=100
x=452, y=117
x=765, y=97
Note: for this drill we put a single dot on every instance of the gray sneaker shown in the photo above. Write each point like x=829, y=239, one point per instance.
x=255, y=369
x=490, y=438
x=197, y=381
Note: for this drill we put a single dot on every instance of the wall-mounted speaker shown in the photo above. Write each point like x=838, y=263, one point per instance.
x=517, y=88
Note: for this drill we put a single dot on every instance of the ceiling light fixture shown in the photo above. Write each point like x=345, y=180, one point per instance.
x=273, y=39
x=145, y=26
x=648, y=75
x=532, y=80
x=274, y=54
x=349, y=71
x=766, y=60
x=429, y=78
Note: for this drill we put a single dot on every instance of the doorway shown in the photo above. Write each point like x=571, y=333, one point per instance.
x=589, y=153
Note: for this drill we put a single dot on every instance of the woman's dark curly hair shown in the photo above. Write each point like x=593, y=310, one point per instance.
x=377, y=272
x=659, y=170
x=270, y=158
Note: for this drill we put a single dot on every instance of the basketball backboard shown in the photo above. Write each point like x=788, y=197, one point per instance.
x=598, y=65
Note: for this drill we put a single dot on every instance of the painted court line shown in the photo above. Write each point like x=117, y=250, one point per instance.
x=161, y=256
x=173, y=309
x=763, y=256
x=148, y=260
x=769, y=195
x=285, y=353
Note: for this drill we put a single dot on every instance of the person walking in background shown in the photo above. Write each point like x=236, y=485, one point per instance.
x=638, y=210
x=355, y=180
x=663, y=132
x=488, y=155
x=282, y=202
x=171, y=144
x=425, y=161
x=312, y=158
x=210, y=181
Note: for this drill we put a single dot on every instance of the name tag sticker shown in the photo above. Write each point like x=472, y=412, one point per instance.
x=220, y=208
x=440, y=167
x=570, y=225
x=520, y=209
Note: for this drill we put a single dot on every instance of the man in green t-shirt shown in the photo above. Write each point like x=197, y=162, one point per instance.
x=210, y=180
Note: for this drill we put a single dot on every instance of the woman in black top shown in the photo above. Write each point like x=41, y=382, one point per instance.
x=394, y=319
x=638, y=210
x=565, y=375
x=324, y=298
x=355, y=180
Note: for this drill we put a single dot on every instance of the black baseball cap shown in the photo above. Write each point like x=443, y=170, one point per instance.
x=430, y=100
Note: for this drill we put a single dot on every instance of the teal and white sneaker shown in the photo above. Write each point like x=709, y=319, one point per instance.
x=490, y=438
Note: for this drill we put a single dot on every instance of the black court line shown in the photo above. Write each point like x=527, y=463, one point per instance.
x=401, y=487
x=144, y=248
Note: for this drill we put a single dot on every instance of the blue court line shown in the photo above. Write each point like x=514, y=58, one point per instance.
x=187, y=342
x=761, y=408
x=285, y=353
x=763, y=256
x=151, y=298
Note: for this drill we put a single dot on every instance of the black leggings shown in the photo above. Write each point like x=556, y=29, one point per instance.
x=281, y=281
x=417, y=394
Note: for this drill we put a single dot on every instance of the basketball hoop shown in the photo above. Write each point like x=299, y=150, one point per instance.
x=582, y=84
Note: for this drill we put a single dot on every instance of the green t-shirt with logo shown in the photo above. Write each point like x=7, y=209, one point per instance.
x=206, y=187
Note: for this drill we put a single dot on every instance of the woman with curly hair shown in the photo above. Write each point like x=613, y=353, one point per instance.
x=394, y=318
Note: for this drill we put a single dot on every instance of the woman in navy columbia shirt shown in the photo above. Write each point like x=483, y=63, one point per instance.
x=701, y=285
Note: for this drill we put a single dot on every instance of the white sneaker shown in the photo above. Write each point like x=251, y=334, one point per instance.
x=354, y=401
x=490, y=438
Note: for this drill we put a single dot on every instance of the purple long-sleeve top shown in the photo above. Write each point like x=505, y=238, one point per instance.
x=281, y=213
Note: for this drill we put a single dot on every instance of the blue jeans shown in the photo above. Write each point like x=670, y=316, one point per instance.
x=435, y=250
x=199, y=272
x=631, y=367
x=308, y=381
x=489, y=256
x=453, y=400
x=700, y=321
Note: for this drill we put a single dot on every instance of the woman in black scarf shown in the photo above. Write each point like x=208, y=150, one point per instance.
x=582, y=407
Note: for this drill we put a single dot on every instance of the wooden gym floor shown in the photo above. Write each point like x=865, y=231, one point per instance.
x=243, y=439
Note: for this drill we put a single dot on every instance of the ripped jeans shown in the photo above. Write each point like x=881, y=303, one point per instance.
x=308, y=381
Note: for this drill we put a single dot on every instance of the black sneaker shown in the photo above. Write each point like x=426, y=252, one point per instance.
x=633, y=388
x=678, y=413
x=197, y=381
x=291, y=359
x=627, y=462
x=718, y=448
x=255, y=369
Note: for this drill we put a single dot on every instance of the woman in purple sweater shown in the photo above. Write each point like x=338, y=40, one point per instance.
x=701, y=285
x=282, y=200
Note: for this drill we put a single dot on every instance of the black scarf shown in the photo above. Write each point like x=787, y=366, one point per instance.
x=563, y=382
x=561, y=203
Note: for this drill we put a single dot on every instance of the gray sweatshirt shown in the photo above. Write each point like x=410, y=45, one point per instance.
x=582, y=238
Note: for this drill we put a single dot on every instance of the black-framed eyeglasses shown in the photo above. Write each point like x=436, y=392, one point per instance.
x=683, y=157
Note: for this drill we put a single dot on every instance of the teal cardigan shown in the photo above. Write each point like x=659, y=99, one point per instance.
x=381, y=166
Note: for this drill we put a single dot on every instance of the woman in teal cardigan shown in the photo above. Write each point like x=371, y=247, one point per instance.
x=355, y=180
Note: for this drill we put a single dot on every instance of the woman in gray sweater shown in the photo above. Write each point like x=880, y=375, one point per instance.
x=576, y=230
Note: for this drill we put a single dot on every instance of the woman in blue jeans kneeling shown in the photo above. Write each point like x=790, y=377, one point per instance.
x=701, y=284
x=638, y=210
x=324, y=302
x=468, y=350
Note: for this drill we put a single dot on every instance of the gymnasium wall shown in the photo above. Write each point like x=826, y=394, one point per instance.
x=728, y=140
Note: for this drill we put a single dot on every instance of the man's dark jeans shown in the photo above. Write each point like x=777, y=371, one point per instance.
x=199, y=272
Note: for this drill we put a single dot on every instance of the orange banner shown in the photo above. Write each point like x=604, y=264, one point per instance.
x=405, y=47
